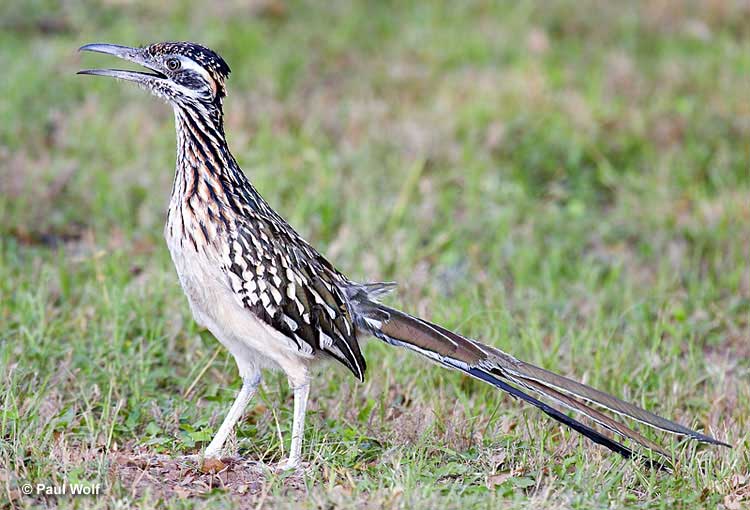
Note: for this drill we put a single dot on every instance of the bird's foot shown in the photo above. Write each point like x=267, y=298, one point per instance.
x=293, y=467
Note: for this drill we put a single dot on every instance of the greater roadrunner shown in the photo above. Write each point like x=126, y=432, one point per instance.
x=275, y=302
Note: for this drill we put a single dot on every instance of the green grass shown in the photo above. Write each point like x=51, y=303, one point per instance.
x=570, y=183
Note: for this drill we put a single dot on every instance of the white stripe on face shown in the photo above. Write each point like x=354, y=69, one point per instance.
x=190, y=64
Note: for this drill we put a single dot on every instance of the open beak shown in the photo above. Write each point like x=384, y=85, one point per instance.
x=136, y=55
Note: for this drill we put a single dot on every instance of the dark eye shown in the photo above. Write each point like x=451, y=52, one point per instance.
x=173, y=64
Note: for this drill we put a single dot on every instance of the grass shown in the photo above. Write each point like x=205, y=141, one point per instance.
x=568, y=183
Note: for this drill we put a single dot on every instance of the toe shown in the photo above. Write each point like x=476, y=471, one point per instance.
x=294, y=467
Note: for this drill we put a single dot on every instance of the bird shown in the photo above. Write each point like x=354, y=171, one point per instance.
x=276, y=303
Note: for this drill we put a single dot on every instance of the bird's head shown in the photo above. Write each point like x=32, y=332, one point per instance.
x=186, y=74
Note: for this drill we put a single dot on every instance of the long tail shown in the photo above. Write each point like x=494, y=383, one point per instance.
x=514, y=376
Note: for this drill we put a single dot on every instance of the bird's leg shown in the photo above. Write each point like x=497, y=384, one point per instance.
x=301, y=392
x=249, y=386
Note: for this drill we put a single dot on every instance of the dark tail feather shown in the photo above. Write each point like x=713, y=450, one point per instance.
x=563, y=418
x=587, y=431
x=500, y=369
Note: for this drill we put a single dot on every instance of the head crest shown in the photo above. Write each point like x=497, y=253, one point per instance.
x=206, y=57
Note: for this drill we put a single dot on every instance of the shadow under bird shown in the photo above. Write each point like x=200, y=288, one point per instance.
x=276, y=303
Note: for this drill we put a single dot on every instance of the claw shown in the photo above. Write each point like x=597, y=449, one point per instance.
x=292, y=467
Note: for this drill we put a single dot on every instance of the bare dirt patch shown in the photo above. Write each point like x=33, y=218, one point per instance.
x=163, y=477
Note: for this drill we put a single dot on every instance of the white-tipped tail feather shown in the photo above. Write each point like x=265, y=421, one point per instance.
x=513, y=376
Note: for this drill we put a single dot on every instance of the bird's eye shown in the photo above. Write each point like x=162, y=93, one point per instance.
x=173, y=64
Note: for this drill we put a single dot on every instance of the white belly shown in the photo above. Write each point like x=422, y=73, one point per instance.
x=252, y=342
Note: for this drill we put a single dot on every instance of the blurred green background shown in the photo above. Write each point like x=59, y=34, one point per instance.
x=568, y=181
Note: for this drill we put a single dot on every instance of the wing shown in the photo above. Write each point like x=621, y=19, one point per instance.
x=286, y=283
